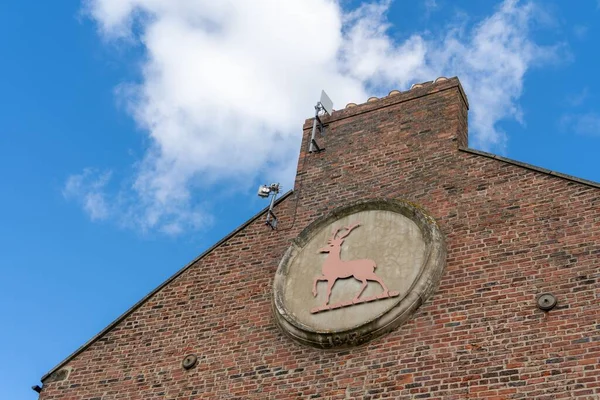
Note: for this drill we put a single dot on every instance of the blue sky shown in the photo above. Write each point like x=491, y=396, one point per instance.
x=133, y=133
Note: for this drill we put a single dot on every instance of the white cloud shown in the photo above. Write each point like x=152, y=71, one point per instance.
x=369, y=55
x=88, y=188
x=575, y=100
x=430, y=7
x=491, y=62
x=581, y=31
x=587, y=124
x=226, y=84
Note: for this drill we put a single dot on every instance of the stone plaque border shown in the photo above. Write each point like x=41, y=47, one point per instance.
x=422, y=288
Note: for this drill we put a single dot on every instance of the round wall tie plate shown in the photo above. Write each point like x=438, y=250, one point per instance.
x=190, y=361
x=546, y=301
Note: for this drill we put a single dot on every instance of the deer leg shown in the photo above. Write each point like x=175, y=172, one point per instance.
x=317, y=280
x=330, y=283
x=378, y=280
x=362, y=289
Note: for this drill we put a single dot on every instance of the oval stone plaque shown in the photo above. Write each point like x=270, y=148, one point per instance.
x=358, y=273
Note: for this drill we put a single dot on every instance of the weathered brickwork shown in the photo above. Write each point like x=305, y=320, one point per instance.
x=512, y=233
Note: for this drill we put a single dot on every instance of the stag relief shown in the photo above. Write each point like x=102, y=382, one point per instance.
x=335, y=268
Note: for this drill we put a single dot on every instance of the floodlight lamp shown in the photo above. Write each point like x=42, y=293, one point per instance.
x=264, y=191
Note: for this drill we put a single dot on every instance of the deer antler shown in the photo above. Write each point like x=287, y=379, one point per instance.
x=334, y=233
x=348, y=230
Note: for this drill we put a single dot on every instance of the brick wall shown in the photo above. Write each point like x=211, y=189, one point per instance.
x=512, y=233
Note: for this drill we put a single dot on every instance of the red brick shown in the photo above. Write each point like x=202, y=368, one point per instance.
x=512, y=232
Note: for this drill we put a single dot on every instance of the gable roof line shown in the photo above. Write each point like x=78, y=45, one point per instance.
x=531, y=167
x=260, y=213
x=162, y=285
